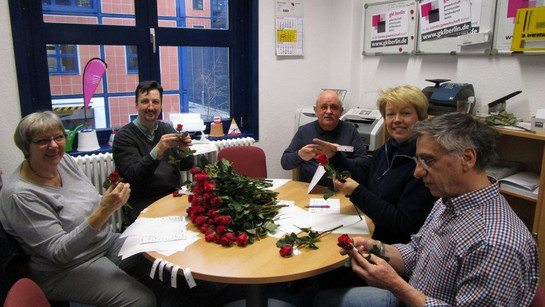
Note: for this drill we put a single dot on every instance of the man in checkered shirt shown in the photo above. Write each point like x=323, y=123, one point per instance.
x=473, y=250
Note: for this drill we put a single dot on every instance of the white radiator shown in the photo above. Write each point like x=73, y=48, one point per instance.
x=97, y=168
x=247, y=141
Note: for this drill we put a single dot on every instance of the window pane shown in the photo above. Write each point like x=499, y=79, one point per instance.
x=102, y=12
x=208, y=81
x=197, y=14
x=204, y=85
x=113, y=100
x=62, y=59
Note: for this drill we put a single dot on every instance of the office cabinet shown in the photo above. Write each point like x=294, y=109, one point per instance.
x=528, y=148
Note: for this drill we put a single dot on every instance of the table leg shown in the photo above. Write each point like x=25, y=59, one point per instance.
x=256, y=295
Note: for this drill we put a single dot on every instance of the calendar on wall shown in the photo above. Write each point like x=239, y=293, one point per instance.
x=289, y=28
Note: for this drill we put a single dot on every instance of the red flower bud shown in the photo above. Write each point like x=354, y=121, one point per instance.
x=221, y=229
x=242, y=239
x=345, y=242
x=210, y=236
x=195, y=171
x=286, y=250
x=199, y=220
x=216, y=201
x=322, y=159
x=227, y=239
x=114, y=177
x=179, y=127
x=208, y=186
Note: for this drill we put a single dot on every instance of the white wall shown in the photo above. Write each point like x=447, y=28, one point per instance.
x=332, y=45
x=339, y=25
x=10, y=112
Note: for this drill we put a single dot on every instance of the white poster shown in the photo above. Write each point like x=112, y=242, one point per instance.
x=390, y=28
x=444, y=18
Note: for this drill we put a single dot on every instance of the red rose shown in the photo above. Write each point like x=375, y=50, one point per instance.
x=222, y=220
x=345, y=242
x=195, y=171
x=195, y=200
x=201, y=177
x=212, y=212
x=114, y=177
x=322, y=159
x=208, y=186
x=242, y=239
x=197, y=190
x=286, y=250
x=217, y=238
x=221, y=229
x=206, y=228
x=228, y=239
x=199, y=220
x=208, y=196
x=210, y=236
x=216, y=201
x=179, y=127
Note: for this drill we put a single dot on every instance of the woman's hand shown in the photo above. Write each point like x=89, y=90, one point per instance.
x=327, y=148
x=347, y=187
x=114, y=198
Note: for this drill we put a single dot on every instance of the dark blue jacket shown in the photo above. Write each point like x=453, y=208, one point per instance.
x=343, y=134
x=388, y=193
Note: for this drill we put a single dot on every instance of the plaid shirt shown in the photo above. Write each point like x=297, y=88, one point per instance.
x=473, y=250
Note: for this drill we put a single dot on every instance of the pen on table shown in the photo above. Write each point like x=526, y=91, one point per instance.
x=324, y=206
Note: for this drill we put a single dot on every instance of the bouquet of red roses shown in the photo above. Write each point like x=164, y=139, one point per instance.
x=228, y=207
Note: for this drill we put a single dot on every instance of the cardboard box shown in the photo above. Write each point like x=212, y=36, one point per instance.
x=538, y=124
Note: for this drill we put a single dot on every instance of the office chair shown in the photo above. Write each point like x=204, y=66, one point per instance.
x=26, y=293
x=249, y=161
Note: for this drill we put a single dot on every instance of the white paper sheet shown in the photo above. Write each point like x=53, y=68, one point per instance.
x=289, y=219
x=331, y=205
x=166, y=235
x=320, y=171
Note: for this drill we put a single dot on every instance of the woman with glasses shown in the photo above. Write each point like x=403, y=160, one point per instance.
x=60, y=220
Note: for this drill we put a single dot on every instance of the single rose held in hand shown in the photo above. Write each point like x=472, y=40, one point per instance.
x=114, y=179
x=332, y=173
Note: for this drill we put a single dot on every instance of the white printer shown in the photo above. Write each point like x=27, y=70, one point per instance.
x=369, y=124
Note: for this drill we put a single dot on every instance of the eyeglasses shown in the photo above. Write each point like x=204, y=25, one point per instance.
x=333, y=107
x=59, y=139
x=425, y=162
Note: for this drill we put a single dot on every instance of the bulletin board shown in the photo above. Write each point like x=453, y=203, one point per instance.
x=456, y=26
x=389, y=27
x=505, y=22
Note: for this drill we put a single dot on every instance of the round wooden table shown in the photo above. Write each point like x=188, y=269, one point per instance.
x=258, y=263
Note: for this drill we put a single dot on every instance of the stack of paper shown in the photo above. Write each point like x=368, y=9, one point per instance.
x=524, y=183
x=166, y=235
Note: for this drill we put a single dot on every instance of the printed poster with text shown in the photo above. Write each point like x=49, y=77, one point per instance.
x=507, y=17
x=390, y=28
x=444, y=18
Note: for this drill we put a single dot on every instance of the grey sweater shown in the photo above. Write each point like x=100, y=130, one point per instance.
x=50, y=223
